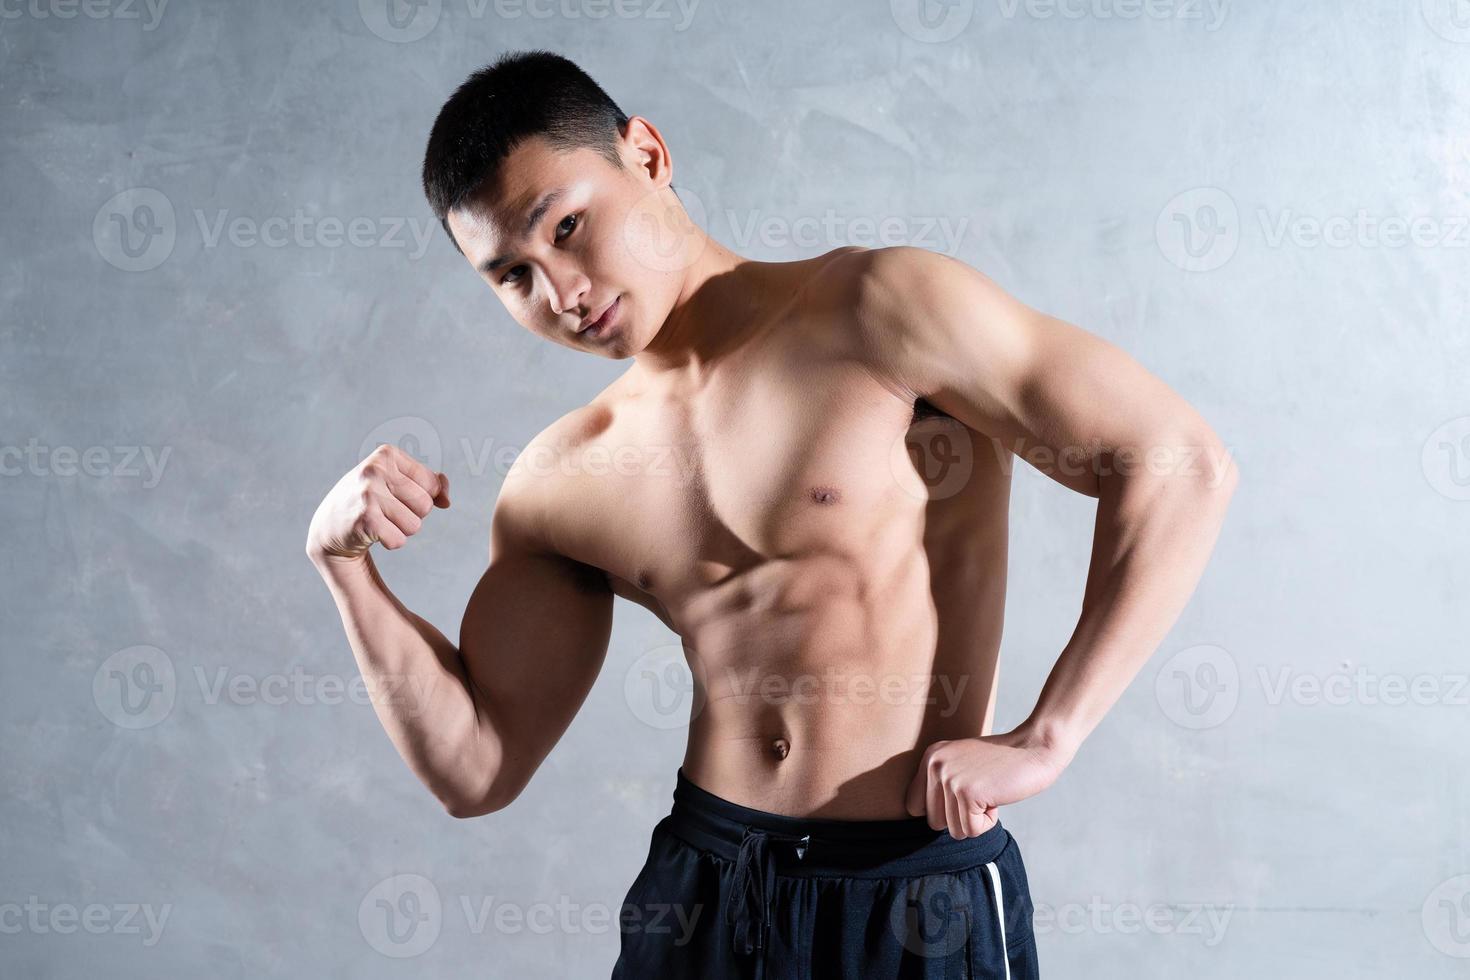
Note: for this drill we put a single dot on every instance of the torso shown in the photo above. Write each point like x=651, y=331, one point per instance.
x=839, y=611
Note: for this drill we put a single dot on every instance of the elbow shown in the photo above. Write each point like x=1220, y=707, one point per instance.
x=1193, y=460
x=463, y=803
x=1221, y=472
x=1214, y=480
x=483, y=778
x=1232, y=478
x=490, y=768
x=463, y=810
x=465, y=807
x=1199, y=457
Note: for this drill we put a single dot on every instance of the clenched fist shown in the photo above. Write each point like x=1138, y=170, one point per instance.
x=384, y=498
x=961, y=782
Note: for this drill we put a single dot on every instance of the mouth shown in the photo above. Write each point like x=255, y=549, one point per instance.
x=603, y=322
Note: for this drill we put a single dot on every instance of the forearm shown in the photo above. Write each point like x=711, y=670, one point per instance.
x=1153, y=537
x=418, y=686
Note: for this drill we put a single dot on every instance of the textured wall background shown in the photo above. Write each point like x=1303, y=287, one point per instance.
x=221, y=285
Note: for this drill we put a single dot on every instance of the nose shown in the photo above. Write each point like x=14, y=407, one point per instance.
x=565, y=288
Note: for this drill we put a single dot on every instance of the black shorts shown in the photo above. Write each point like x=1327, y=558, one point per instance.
x=732, y=892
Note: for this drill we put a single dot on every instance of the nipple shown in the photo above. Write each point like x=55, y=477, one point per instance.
x=825, y=494
x=780, y=747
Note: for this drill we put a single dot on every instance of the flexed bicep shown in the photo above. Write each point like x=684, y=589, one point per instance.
x=534, y=637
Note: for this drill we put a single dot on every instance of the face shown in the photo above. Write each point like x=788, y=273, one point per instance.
x=580, y=252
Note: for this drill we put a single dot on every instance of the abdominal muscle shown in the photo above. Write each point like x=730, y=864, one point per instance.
x=815, y=697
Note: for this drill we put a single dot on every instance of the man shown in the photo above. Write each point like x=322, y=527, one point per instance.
x=839, y=600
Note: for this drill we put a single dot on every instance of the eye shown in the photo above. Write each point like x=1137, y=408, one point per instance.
x=564, y=228
x=513, y=275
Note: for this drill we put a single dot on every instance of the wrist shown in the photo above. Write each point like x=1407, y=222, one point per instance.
x=336, y=567
x=1052, y=740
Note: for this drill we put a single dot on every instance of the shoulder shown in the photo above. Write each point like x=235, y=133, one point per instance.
x=880, y=290
x=901, y=306
x=539, y=484
x=877, y=273
x=563, y=439
x=904, y=283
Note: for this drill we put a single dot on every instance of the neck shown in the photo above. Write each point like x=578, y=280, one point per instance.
x=705, y=318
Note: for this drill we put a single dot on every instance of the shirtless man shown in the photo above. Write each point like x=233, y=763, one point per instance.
x=763, y=478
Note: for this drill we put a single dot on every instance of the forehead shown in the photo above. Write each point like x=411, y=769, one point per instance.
x=494, y=217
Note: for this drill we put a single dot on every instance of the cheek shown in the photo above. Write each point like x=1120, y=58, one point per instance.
x=605, y=257
x=523, y=310
x=620, y=267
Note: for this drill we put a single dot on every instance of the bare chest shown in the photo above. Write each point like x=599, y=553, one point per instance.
x=767, y=465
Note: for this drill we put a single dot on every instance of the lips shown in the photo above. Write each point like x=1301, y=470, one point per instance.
x=592, y=328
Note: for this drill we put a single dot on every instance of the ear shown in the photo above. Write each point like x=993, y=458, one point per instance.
x=644, y=151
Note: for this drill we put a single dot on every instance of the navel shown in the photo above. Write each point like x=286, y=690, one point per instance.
x=780, y=748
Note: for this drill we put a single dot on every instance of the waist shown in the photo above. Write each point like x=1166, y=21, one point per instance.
x=808, y=847
x=843, y=758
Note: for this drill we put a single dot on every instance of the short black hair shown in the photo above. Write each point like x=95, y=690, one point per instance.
x=522, y=94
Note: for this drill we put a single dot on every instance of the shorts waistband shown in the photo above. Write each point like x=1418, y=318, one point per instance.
x=808, y=847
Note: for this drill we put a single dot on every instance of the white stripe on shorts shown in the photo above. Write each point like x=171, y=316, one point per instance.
x=1000, y=916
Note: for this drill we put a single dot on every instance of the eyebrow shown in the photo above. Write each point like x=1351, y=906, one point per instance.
x=533, y=218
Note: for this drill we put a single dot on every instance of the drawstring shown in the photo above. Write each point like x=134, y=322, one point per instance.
x=753, y=886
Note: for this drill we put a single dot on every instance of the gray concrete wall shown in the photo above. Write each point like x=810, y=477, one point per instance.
x=220, y=284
